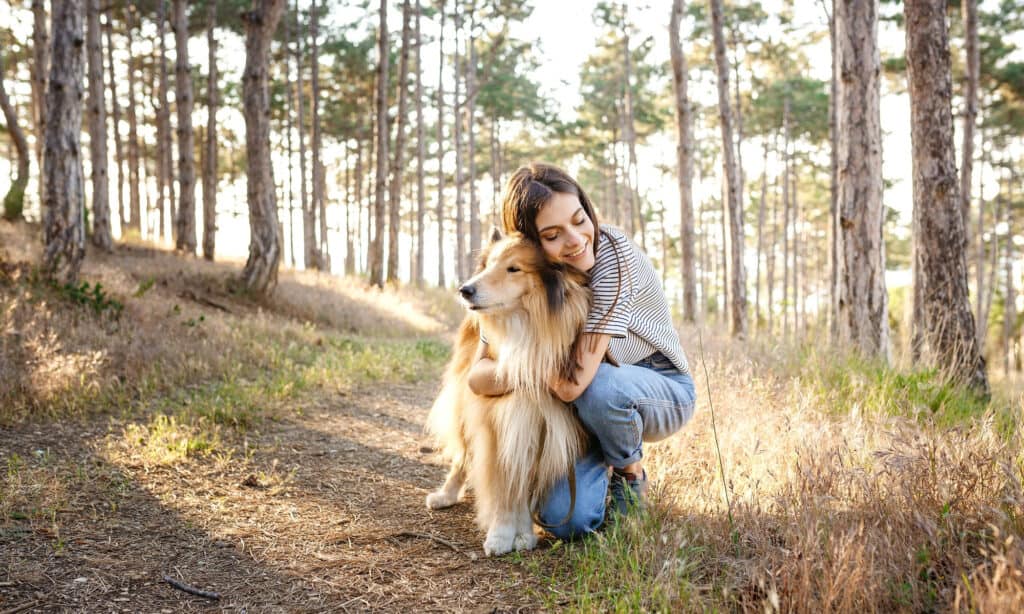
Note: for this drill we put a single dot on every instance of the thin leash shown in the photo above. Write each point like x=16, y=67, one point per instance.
x=714, y=430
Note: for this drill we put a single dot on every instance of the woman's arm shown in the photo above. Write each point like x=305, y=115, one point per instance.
x=590, y=353
x=483, y=377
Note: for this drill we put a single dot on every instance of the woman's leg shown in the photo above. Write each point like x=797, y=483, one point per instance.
x=588, y=511
x=625, y=406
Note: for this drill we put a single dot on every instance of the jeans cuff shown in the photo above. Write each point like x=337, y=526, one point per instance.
x=629, y=460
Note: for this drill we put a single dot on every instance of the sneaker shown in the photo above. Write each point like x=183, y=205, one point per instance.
x=627, y=490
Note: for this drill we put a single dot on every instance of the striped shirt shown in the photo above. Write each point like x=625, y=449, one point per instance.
x=629, y=303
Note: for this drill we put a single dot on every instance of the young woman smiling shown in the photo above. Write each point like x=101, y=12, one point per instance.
x=649, y=395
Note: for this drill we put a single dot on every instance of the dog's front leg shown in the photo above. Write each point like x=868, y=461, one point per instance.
x=502, y=533
x=448, y=494
x=525, y=538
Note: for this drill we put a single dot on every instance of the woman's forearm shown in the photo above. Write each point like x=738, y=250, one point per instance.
x=483, y=379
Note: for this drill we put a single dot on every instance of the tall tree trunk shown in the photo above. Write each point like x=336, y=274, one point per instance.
x=289, y=104
x=319, y=204
x=134, y=176
x=163, y=121
x=972, y=64
x=760, y=234
x=1010, y=300
x=475, y=233
x=979, y=294
x=787, y=161
x=420, y=154
x=186, y=215
x=738, y=285
x=210, y=156
x=14, y=200
x=949, y=338
x=39, y=69
x=833, y=137
x=461, y=271
x=122, y=213
x=398, y=166
x=260, y=273
x=310, y=259
x=634, y=213
x=377, y=244
x=64, y=190
x=684, y=161
x=774, y=228
x=440, y=149
x=101, y=235
x=863, y=301
x=795, y=268
x=353, y=198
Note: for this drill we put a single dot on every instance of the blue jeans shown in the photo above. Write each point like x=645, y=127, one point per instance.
x=622, y=408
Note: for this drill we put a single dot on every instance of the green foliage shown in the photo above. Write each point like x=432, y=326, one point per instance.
x=14, y=202
x=92, y=296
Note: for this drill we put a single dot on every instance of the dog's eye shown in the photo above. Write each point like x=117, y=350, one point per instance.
x=512, y=269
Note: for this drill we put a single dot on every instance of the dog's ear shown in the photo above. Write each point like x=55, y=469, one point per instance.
x=495, y=234
x=553, y=277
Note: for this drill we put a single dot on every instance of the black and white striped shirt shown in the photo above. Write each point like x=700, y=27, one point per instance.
x=629, y=303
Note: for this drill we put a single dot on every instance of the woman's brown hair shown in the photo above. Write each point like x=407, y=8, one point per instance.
x=529, y=189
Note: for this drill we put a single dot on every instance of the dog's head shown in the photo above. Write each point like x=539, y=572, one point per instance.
x=511, y=271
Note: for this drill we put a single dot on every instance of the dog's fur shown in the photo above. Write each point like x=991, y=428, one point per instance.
x=510, y=449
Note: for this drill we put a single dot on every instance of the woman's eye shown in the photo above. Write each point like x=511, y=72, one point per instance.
x=550, y=238
x=580, y=221
x=512, y=269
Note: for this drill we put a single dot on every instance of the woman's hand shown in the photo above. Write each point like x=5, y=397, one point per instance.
x=590, y=351
x=483, y=379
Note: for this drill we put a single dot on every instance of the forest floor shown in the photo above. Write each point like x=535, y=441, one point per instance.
x=156, y=423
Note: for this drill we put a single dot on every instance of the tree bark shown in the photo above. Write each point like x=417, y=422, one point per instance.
x=134, y=200
x=260, y=273
x=863, y=302
x=440, y=150
x=786, y=161
x=101, y=236
x=1010, y=301
x=461, y=270
x=398, y=165
x=833, y=137
x=319, y=204
x=64, y=191
x=760, y=235
x=210, y=152
x=634, y=213
x=684, y=161
x=475, y=233
x=14, y=200
x=420, y=155
x=163, y=124
x=738, y=281
x=186, y=214
x=115, y=106
x=40, y=68
x=377, y=244
x=948, y=335
x=972, y=65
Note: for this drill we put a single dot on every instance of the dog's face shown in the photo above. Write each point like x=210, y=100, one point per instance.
x=510, y=270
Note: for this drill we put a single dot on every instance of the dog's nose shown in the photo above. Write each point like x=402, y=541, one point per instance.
x=467, y=291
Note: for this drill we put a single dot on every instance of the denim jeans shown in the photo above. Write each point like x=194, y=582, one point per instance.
x=622, y=408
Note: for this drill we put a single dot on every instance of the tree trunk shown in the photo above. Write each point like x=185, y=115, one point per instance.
x=972, y=65
x=163, y=124
x=1009, y=302
x=122, y=213
x=100, y=205
x=863, y=302
x=475, y=233
x=260, y=273
x=186, y=215
x=210, y=156
x=949, y=339
x=833, y=137
x=979, y=294
x=634, y=213
x=738, y=286
x=420, y=154
x=64, y=191
x=40, y=68
x=760, y=234
x=795, y=268
x=14, y=200
x=440, y=150
x=319, y=204
x=684, y=161
x=398, y=166
x=134, y=178
x=377, y=244
x=774, y=228
x=461, y=271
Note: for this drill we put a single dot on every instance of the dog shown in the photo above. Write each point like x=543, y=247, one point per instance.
x=511, y=449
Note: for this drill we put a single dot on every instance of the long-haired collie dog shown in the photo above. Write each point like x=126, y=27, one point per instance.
x=510, y=449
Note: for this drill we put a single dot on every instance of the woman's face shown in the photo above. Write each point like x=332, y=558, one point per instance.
x=566, y=232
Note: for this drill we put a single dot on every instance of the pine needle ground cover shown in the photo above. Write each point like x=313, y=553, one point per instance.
x=272, y=452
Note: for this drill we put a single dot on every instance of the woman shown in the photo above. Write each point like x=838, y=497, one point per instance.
x=649, y=396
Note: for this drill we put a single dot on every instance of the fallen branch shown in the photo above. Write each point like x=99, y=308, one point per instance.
x=21, y=608
x=192, y=296
x=181, y=586
x=434, y=538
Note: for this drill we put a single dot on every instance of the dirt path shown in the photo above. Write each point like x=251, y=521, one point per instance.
x=324, y=514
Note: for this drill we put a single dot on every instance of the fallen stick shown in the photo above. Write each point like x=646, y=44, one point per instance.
x=21, y=608
x=443, y=542
x=181, y=586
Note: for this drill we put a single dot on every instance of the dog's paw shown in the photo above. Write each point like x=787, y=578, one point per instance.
x=441, y=499
x=525, y=541
x=498, y=543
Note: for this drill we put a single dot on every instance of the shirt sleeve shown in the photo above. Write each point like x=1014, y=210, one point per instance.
x=612, y=308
